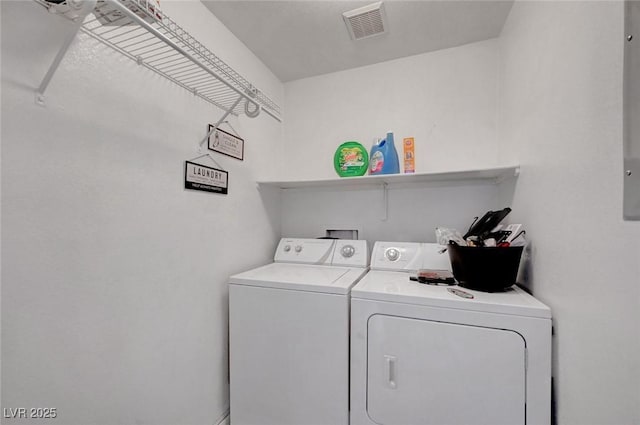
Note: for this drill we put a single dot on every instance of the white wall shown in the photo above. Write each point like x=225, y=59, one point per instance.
x=412, y=214
x=113, y=291
x=114, y=277
x=446, y=100
x=561, y=117
x=546, y=95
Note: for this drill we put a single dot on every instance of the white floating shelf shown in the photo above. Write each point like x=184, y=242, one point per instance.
x=485, y=175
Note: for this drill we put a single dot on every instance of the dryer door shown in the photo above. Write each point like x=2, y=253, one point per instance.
x=422, y=372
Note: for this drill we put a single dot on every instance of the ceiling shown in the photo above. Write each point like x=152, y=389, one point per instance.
x=303, y=38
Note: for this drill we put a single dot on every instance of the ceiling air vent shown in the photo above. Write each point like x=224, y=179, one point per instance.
x=366, y=21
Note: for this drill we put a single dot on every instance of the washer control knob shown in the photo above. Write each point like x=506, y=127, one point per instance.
x=392, y=254
x=298, y=248
x=347, y=251
x=287, y=248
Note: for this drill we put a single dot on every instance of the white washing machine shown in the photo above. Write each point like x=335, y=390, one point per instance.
x=427, y=355
x=289, y=334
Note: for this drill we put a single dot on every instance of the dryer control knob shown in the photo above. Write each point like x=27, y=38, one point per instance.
x=392, y=254
x=287, y=248
x=298, y=248
x=347, y=251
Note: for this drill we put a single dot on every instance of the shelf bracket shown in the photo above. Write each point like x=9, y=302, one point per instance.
x=220, y=121
x=251, y=91
x=86, y=8
x=385, y=201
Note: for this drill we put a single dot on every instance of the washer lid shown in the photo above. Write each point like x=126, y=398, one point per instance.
x=301, y=277
x=396, y=287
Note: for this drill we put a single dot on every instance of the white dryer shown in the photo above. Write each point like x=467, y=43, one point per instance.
x=289, y=334
x=438, y=355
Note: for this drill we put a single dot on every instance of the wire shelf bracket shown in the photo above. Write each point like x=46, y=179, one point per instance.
x=147, y=36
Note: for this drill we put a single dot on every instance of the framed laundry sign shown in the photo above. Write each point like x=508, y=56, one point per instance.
x=226, y=143
x=206, y=179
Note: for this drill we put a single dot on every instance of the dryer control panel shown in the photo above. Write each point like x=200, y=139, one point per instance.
x=408, y=256
x=395, y=256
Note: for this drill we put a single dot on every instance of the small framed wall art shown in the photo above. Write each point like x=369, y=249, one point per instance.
x=226, y=143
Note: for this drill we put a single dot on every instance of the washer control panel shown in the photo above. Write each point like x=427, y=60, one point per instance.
x=351, y=253
x=347, y=251
x=307, y=251
x=337, y=252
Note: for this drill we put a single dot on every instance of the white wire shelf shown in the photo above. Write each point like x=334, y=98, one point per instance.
x=150, y=38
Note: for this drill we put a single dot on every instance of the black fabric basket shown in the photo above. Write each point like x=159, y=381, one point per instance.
x=488, y=269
